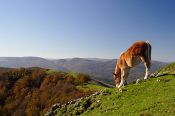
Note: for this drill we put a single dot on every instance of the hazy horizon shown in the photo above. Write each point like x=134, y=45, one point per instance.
x=86, y=29
x=72, y=58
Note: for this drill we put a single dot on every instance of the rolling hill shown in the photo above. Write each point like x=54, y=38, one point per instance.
x=100, y=69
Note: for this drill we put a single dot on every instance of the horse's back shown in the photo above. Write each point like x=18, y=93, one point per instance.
x=138, y=48
x=133, y=56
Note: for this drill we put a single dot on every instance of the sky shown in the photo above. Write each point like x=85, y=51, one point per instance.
x=86, y=28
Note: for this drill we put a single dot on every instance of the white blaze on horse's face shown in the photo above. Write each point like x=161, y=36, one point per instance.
x=117, y=78
x=121, y=84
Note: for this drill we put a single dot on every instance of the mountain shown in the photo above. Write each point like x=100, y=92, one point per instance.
x=100, y=69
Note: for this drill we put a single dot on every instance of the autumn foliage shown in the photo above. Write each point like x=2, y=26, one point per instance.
x=31, y=92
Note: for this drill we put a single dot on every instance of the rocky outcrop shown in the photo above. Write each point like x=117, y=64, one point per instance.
x=77, y=106
x=162, y=73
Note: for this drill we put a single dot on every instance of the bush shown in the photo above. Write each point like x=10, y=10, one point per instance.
x=32, y=91
x=82, y=78
x=69, y=78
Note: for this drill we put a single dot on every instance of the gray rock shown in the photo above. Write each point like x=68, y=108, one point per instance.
x=98, y=101
x=49, y=113
x=77, y=104
x=55, y=106
x=137, y=81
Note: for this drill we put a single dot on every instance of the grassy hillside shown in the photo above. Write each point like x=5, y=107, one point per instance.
x=169, y=69
x=152, y=97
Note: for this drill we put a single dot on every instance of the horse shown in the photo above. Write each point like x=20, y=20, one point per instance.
x=139, y=52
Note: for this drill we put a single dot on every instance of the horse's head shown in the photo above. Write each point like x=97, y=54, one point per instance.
x=117, y=76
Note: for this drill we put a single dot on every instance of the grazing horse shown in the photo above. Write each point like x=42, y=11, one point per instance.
x=139, y=52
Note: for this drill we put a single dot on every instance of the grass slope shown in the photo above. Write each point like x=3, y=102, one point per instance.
x=169, y=68
x=155, y=96
x=152, y=97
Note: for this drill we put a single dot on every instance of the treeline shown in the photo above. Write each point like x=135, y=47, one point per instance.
x=31, y=92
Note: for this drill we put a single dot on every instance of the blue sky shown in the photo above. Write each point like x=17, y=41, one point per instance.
x=86, y=28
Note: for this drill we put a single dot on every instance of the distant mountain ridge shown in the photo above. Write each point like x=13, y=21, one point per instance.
x=100, y=69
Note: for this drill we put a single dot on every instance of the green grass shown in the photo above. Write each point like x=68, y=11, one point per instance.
x=90, y=86
x=155, y=96
x=73, y=73
x=168, y=68
x=52, y=72
x=152, y=97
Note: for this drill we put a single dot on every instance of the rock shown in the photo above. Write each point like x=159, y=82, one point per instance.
x=153, y=75
x=71, y=102
x=63, y=106
x=105, y=92
x=77, y=104
x=98, y=101
x=97, y=93
x=55, y=106
x=137, y=81
x=120, y=90
x=49, y=113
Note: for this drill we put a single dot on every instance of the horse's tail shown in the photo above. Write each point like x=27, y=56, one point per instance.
x=149, y=50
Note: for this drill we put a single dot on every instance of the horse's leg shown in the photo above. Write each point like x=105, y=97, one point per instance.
x=147, y=64
x=147, y=69
x=124, y=74
x=122, y=78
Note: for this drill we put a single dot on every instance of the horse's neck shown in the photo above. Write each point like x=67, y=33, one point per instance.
x=117, y=69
